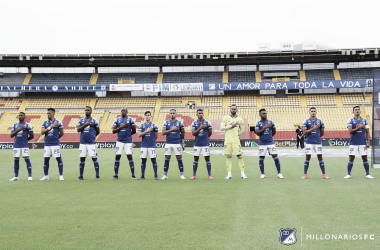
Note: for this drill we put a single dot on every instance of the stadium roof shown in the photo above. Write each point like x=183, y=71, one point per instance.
x=190, y=59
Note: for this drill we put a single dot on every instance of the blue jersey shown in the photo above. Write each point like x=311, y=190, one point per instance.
x=149, y=139
x=124, y=135
x=357, y=138
x=201, y=139
x=52, y=137
x=315, y=136
x=88, y=134
x=21, y=138
x=175, y=136
x=266, y=138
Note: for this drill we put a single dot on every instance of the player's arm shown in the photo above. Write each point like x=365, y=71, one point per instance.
x=305, y=131
x=242, y=127
x=155, y=135
x=133, y=127
x=367, y=138
x=80, y=128
x=30, y=135
x=194, y=131
x=166, y=132
x=115, y=129
x=261, y=131
x=354, y=130
x=274, y=130
x=322, y=132
x=223, y=126
x=44, y=131
x=97, y=131
x=209, y=131
x=183, y=132
x=141, y=134
x=61, y=133
x=14, y=133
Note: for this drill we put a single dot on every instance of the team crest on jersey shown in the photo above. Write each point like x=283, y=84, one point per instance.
x=288, y=236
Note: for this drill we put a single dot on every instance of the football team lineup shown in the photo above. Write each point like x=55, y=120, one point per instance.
x=233, y=125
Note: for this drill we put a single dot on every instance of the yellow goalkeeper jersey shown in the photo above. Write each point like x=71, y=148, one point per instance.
x=232, y=133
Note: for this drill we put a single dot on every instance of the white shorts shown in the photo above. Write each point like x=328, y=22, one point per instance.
x=263, y=149
x=169, y=148
x=144, y=152
x=360, y=149
x=126, y=146
x=23, y=151
x=88, y=148
x=54, y=151
x=317, y=148
x=205, y=151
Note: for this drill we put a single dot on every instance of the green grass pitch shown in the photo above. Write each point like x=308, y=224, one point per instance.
x=186, y=214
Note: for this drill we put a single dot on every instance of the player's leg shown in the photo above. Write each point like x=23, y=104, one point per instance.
x=273, y=153
x=262, y=153
x=82, y=160
x=228, y=153
x=196, y=153
x=298, y=141
x=239, y=154
x=143, y=156
x=308, y=150
x=318, y=150
x=92, y=152
x=16, y=165
x=118, y=151
x=178, y=154
x=153, y=156
x=363, y=153
x=168, y=153
x=57, y=155
x=25, y=155
x=208, y=166
x=128, y=151
x=47, y=154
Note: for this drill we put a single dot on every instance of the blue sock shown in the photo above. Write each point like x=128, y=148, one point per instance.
x=60, y=165
x=350, y=164
x=81, y=168
x=166, y=166
x=322, y=166
x=195, y=167
x=180, y=165
x=132, y=167
x=261, y=165
x=143, y=166
x=16, y=166
x=306, y=166
x=366, y=167
x=154, y=162
x=208, y=165
x=28, y=166
x=277, y=163
x=46, y=166
x=96, y=166
x=116, y=167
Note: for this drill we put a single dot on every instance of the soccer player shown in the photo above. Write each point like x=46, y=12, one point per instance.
x=234, y=127
x=89, y=129
x=53, y=130
x=359, y=141
x=125, y=127
x=149, y=132
x=266, y=130
x=173, y=129
x=202, y=130
x=313, y=128
x=22, y=132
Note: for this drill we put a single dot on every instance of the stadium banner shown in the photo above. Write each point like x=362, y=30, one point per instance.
x=173, y=87
x=125, y=87
x=53, y=88
x=333, y=84
x=188, y=143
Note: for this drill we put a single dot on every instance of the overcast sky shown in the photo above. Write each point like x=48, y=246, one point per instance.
x=174, y=26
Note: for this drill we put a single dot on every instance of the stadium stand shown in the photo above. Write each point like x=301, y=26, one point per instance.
x=10, y=103
x=172, y=102
x=64, y=103
x=319, y=75
x=63, y=78
x=354, y=99
x=12, y=78
x=321, y=100
x=117, y=103
x=269, y=79
x=195, y=77
x=112, y=78
x=242, y=101
x=356, y=73
x=212, y=101
x=241, y=76
x=287, y=101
